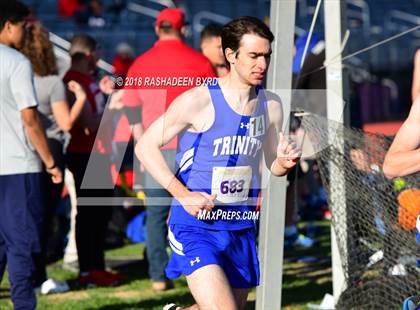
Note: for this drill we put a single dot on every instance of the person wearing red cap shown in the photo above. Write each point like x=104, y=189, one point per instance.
x=164, y=70
x=173, y=16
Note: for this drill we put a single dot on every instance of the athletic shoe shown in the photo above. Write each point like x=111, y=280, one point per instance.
x=171, y=307
x=52, y=286
x=412, y=303
x=97, y=278
x=117, y=277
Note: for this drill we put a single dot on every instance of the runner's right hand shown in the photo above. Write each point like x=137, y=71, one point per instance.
x=193, y=202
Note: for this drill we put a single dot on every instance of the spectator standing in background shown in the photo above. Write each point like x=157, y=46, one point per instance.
x=23, y=145
x=57, y=119
x=91, y=220
x=170, y=57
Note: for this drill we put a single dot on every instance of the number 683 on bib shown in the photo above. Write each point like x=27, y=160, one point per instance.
x=231, y=184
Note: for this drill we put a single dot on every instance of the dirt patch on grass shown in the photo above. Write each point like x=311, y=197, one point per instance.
x=77, y=295
x=128, y=294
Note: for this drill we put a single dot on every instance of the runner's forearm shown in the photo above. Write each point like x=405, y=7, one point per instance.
x=154, y=162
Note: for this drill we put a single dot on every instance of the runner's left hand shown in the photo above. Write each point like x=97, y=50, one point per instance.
x=288, y=153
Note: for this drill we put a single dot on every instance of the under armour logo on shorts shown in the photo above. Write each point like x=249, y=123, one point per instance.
x=196, y=260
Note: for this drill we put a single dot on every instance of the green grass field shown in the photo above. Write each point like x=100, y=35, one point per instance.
x=302, y=282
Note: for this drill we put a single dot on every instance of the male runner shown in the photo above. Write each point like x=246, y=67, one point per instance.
x=227, y=127
x=169, y=58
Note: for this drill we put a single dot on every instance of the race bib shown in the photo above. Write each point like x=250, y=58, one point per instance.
x=257, y=126
x=231, y=184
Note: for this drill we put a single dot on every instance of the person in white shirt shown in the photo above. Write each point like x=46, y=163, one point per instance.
x=23, y=150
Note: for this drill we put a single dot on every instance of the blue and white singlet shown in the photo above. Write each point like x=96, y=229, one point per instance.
x=223, y=160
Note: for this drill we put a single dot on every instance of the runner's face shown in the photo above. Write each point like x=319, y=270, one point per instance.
x=253, y=58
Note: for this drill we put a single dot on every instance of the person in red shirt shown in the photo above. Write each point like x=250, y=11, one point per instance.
x=154, y=80
x=87, y=146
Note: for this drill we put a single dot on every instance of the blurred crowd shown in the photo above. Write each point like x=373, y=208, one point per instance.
x=89, y=12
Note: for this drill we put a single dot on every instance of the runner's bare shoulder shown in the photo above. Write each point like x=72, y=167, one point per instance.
x=193, y=100
x=194, y=108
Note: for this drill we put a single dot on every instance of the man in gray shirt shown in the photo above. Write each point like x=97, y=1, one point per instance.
x=23, y=149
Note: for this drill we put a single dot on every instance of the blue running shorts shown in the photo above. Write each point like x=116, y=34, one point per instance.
x=233, y=250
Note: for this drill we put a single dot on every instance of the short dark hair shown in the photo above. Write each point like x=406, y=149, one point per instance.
x=12, y=11
x=77, y=57
x=233, y=32
x=166, y=27
x=212, y=30
x=82, y=43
